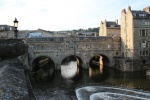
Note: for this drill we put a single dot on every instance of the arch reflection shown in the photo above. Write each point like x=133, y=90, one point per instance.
x=98, y=69
x=43, y=69
x=71, y=67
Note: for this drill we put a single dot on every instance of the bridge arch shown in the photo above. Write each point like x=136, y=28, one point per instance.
x=37, y=55
x=43, y=67
x=79, y=58
x=105, y=59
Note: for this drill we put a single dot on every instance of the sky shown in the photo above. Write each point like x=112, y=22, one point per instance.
x=59, y=15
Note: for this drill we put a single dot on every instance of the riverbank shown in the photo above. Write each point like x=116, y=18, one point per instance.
x=12, y=80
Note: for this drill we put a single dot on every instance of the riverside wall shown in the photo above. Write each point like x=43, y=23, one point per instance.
x=14, y=81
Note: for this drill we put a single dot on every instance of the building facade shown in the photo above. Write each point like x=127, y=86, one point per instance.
x=109, y=28
x=135, y=34
x=6, y=31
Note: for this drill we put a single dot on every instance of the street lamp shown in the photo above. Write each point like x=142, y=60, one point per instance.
x=15, y=26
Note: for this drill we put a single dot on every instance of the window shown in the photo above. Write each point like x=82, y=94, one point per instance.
x=147, y=23
x=143, y=32
x=134, y=14
x=142, y=15
x=112, y=25
x=86, y=46
x=117, y=53
x=144, y=53
x=140, y=52
x=2, y=28
x=147, y=34
x=108, y=46
x=144, y=44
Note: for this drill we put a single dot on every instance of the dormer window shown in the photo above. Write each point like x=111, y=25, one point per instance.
x=142, y=15
x=112, y=25
x=134, y=14
x=2, y=28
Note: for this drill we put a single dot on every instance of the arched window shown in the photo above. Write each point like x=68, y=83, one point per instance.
x=144, y=44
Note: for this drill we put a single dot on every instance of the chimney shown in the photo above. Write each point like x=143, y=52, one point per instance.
x=105, y=22
x=129, y=8
x=123, y=11
x=147, y=9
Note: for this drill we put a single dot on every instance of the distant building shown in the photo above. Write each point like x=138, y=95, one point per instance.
x=135, y=34
x=35, y=35
x=109, y=28
x=86, y=34
x=6, y=28
x=6, y=31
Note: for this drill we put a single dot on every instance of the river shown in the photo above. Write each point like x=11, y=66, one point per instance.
x=59, y=88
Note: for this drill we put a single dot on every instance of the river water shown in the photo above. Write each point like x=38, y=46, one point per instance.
x=60, y=88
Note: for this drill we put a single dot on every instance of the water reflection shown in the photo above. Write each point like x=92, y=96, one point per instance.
x=70, y=68
x=43, y=69
x=72, y=75
x=52, y=90
x=97, y=71
x=101, y=64
x=132, y=80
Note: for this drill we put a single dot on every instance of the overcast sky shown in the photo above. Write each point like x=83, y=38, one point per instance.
x=56, y=15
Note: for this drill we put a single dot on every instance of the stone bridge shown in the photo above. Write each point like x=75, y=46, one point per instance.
x=58, y=48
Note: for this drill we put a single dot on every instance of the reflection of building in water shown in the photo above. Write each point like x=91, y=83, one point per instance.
x=100, y=64
x=97, y=67
x=94, y=72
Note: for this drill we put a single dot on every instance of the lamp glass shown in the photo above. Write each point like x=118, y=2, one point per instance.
x=15, y=24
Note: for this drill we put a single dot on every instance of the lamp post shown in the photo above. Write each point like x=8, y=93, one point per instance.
x=15, y=26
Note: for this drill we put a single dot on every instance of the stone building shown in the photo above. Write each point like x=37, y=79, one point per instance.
x=6, y=31
x=109, y=28
x=135, y=34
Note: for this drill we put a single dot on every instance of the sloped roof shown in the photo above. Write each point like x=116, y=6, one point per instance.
x=7, y=27
x=109, y=23
x=137, y=12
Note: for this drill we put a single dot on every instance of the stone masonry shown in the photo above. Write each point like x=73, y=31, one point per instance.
x=61, y=47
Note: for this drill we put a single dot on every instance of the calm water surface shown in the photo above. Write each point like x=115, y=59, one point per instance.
x=59, y=88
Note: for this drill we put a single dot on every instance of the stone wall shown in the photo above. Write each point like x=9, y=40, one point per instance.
x=128, y=65
x=12, y=48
